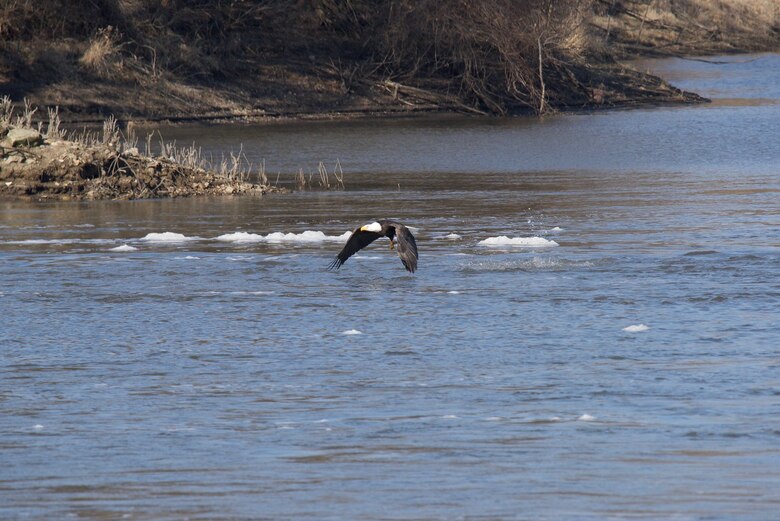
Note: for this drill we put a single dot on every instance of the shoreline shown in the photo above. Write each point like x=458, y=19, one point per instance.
x=357, y=115
x=388, y=108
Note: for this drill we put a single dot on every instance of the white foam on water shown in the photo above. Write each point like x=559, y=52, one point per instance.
x=251, y=292
x=636, y=328
x=351, y=332
x=306, y=237
x=367, y=257
x=450, y=417
x=123, y=248
x=453, y=236
x=37, y=427
x=546, y=263
x=454, y=292
x=586, y=418
x=526, y=242
x=494, y=418
x=167, y=237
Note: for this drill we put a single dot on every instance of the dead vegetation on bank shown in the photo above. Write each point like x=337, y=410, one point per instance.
x=210, y=59
x=677, y=27
x=44, y=161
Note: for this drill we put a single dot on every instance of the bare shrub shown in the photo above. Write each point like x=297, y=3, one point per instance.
x=24, y=120
x=235, y=167
x=53, y=130
x=103, y=53
x=6, y=111
x=111, y=133
x=502, y=51
x=261, y=175
x=300, y=180
x=338, y=173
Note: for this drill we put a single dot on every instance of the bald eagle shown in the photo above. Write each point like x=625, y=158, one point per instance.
x=365, y=235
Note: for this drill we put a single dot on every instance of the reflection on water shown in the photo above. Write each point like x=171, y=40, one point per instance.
x=217, y=371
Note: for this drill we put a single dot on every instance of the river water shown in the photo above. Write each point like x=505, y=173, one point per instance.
x=611, y=352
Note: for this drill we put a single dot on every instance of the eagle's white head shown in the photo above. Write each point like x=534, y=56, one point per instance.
x=373, y=227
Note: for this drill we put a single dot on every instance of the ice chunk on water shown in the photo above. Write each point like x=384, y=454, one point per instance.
x=123, y=248
x=453, y=236
x=240, y=237
x=306, y=237
x=43, y=241
x=636, y=328
x=62, y=241
x=167, y=237
x=351, y=332
x=526, y=242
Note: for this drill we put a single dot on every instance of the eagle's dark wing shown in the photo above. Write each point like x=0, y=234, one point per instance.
x=356, y=242
x=407, y=247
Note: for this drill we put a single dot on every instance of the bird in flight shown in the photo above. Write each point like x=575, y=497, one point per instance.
x=365, y=235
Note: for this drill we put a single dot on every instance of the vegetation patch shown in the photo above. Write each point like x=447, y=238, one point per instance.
x=50, y=164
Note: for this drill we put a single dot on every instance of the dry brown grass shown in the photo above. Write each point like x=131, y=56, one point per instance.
x=102, y=55
x=690, y=26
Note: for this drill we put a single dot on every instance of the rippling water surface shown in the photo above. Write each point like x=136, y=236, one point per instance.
x=194, y=359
